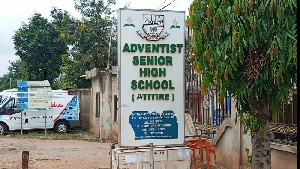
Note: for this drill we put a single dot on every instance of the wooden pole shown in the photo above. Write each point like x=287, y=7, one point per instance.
x=25, y=159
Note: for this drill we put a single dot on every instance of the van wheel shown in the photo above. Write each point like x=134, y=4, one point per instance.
x=3, y=129
x=61, y=127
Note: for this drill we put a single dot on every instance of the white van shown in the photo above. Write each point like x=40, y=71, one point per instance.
x=63, y=113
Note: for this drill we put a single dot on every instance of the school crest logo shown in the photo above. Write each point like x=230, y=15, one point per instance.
x=153, y=27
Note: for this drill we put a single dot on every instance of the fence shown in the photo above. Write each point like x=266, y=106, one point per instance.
x=208, y=113
x=284, y=127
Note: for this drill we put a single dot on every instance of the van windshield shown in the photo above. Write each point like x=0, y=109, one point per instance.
x=3, y=99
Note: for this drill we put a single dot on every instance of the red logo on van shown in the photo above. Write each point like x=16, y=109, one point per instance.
x=53, y=104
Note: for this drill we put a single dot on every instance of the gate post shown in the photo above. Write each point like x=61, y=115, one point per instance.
x=25, y=159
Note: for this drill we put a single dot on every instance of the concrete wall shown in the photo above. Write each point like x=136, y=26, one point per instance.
x=106, y=106
x=84, y=97
x=94, y=121
x=105, y=83
x=283, y=156
x=115, y=125
x=115, y=131
x=230, y=144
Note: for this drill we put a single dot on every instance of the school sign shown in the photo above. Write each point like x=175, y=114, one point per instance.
x=151, y=77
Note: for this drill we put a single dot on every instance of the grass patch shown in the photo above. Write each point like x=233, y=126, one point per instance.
x=50, y=135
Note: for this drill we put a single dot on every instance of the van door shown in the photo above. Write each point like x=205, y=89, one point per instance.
x=11, y=114
x=49, y=113
x=36, y=118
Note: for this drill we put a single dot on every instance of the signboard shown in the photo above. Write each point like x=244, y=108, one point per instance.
x=34, y=94
x=151, y=77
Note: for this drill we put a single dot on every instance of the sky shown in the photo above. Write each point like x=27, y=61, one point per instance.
x=15, y=12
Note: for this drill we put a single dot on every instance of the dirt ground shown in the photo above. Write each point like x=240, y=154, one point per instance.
x=50, y=154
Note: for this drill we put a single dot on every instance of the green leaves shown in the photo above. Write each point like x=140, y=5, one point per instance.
x=39, y=46
x=249, y=156
x=88, y=40
x=260, y=28
x=66, y=47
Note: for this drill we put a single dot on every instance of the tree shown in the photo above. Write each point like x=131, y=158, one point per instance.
x=248, y=47
x=15, y=73
x=40, y=48
x=88, y=39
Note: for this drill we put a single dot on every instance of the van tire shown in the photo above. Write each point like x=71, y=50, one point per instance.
x=3, y=128
x=61, y=127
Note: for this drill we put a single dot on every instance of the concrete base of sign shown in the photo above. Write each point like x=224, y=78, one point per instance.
x=140, y=158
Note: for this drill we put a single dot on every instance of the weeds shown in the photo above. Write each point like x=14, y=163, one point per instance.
x=50, y=135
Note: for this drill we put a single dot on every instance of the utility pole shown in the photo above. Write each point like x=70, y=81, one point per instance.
x=109, y=46
x=45, y=73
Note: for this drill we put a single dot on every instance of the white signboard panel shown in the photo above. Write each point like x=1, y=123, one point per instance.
x=38, y=83
x=34, y=94
x=151, y=77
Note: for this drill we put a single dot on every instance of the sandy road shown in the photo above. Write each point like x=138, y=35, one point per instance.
x=50, y=154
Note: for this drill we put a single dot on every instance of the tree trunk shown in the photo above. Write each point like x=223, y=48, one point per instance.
x=261, y=151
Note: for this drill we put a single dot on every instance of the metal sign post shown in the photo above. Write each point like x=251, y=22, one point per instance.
x=151, y=156
x=45, y=121
x=22, y=122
